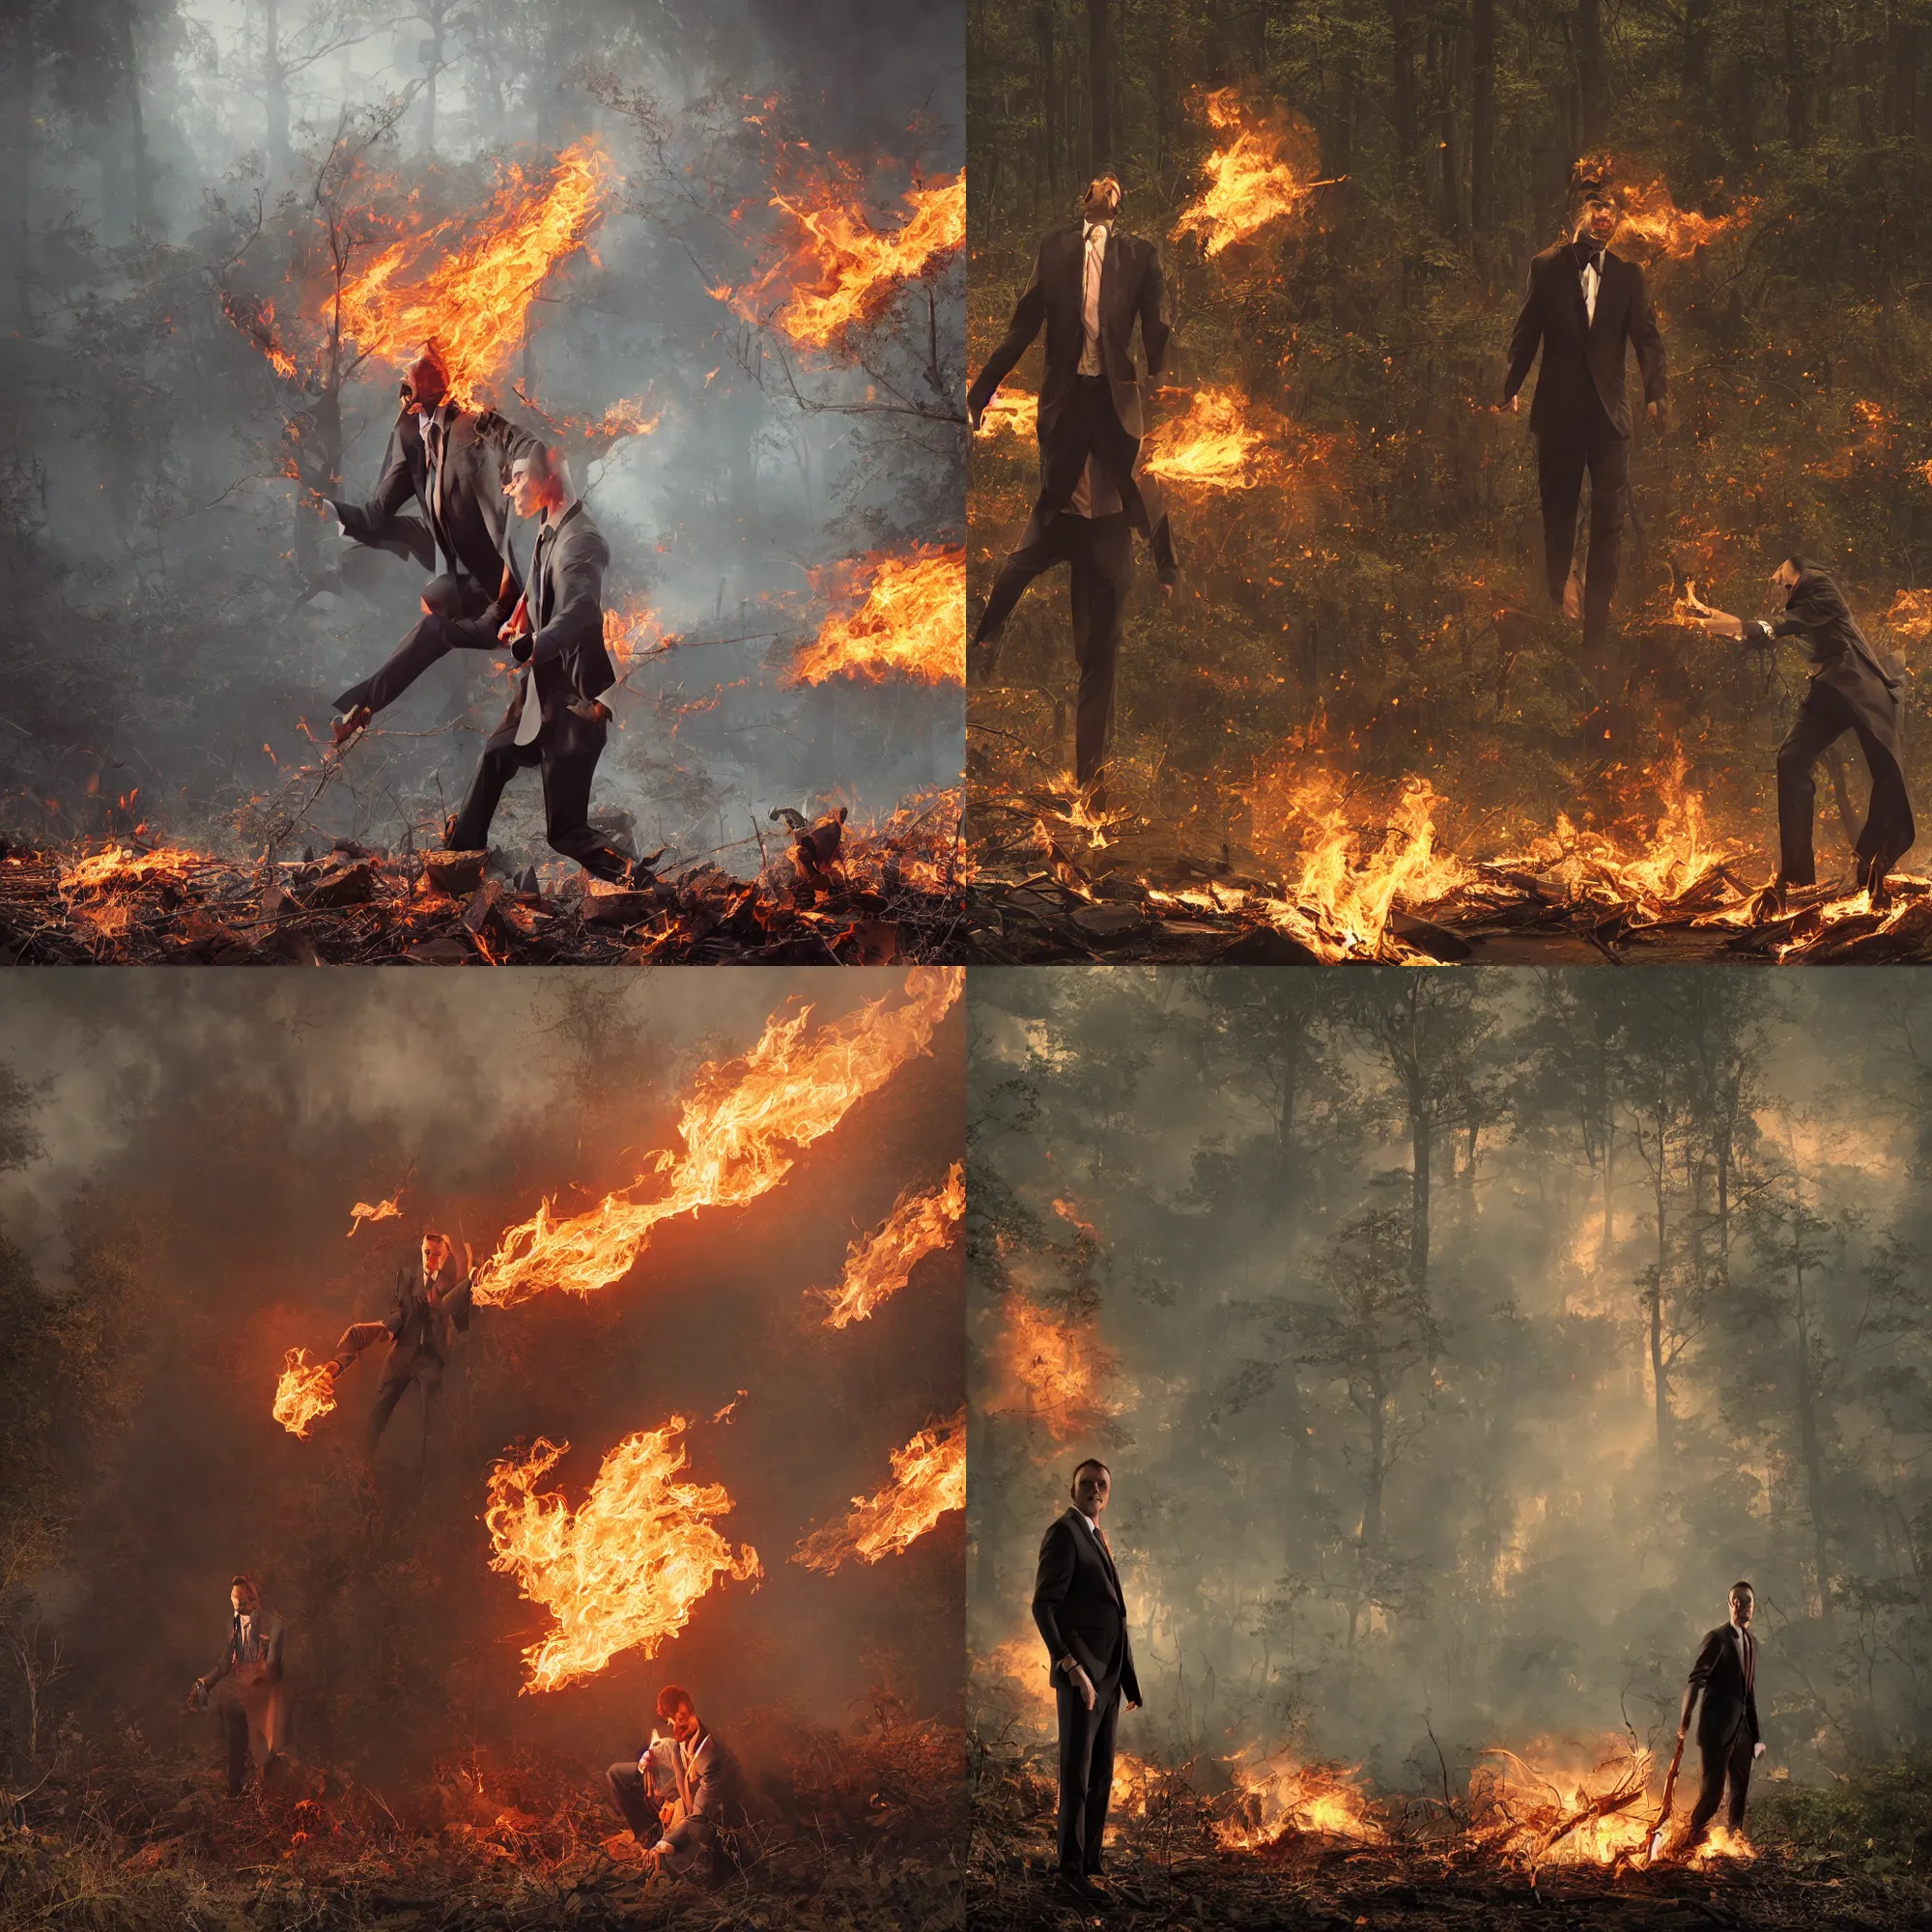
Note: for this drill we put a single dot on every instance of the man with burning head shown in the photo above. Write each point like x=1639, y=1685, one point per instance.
x=1090, y=282
x=683, y=1795
x=1586, y=309
x=1082, y=1613
x=1849, y=689
x=1725, y=1675
x=556, y=719
x=431, y=1303
x=453, y=462
x=252, y=1705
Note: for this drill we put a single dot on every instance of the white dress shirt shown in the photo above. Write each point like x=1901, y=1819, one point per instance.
x=1095, y=234
x=1592, y=278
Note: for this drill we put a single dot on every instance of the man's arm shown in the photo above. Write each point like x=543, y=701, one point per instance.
x=1701, y=1676
x=1029, y=312
x=395, y=488
x=275, y=1656
x=1051, y=1583
x=713, y=1793
x=1648, y=341
x=1156, y=331
x=579, y=603
x=356, y=1336
x=1526, y=339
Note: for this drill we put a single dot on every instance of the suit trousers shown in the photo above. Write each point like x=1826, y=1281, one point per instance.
x=566, y=789
x=1823, y=717
x=389, y=1393
x=1086, y=1771
x=1729, y=1761
x=454, y=619
x=640, y=1809
x=1102, y=553
x=1562, y=455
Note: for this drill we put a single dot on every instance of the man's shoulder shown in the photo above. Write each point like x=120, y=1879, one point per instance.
x=1626, y=265
x=1546, y=259
x=1061, y=1525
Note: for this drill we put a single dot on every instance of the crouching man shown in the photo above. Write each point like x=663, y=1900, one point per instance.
x=682, y=1796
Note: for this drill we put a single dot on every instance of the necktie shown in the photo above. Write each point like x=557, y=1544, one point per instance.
x=531, y=721
x=1751, y=1662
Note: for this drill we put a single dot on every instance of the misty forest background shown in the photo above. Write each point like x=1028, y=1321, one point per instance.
x=180, y=617
x=178, y=1162
x=1457, y=1339
x=1376, y=610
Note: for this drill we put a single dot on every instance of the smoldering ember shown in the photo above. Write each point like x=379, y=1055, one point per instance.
x=476, y=497
x=492, y=1460
x=1380, y=693
x=1463, y=1350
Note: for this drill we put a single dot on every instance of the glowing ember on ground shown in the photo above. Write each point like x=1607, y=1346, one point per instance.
x=1280, y=1795
x=1264, y=174
x=1052, y=1367
x=878, y=1266
x=123, y=865
x=928, y=1480
x=742, y=1129
x=380, y=1210
x=1010, y=413
x=305, y=1393
x=1212, y=445
x=838, y=271
x=912, y=621
x=625, y=1569
x=467, y=283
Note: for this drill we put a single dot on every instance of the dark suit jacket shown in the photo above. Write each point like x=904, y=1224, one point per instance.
x=1131, y=289
x=469, y=525
x=1817, y=615
x=717, y=1790
x=566, y=613
x=1719, y=1673
x=1080, y=1608
x=1583, y=358
x=417, y=1331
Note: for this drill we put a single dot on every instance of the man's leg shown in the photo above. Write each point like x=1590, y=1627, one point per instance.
x=1559, y=483
x=1710, y=1793
x=1019, y=570
x=470, y=830
x=567, y=775
x=1103, y=570
x=627, y=1788
x=1817, y=724
x=392, y=1390
x=1078, y=1727
x=1888, y=831
x=448, y=624
x=1099, y=1784
x=1610, y=504
x=235, y=1735
x=1739, y=1781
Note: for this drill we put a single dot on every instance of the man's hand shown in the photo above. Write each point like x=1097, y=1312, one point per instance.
x=1080, y=1681
x=506, y=632
x=1515, y=404
x=973, y=417
x=1757, y=1750
x=1132, y=1703
x=1655, y=410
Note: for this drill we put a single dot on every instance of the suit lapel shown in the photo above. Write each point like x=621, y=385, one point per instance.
x=1082, y=1528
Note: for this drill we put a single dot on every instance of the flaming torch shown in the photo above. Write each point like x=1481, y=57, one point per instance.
x=928, y=1479
x=913, y=621
x=625, y=1569
x=743, y=1128
x=878, y=1266
x=1261, y=175
x=305, y=1393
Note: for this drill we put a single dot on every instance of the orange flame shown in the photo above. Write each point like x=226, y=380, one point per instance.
x=1212, y=445
x=122, y=865
x=632, y=633
x=928, y=1480
x=878, y=1266
x=469, y=297
x=1280, y=1795
x=742, y=1127
x=1052, y=1367
x=840, y=273
x=381, y=1210
x=1262, y=175
x=624, y=1571
x=1070, y=1212
x=305, y=1393
x=1650, y=217
x=1910, y=612
x=1010, y=413
x=913, y=620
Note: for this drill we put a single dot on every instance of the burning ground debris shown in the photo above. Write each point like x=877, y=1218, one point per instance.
x=893, y=891
x=1281, y=1840
x=844, y=1829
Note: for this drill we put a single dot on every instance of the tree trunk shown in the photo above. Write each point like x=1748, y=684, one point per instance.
x=1419, y=1135
x=430, y=85
x=1481, y=115
x=1813, y=1453
x=1402, y=77
x=1100, y=89
x=274, y=93
x=1696, y=69
x=19, y=64
x=1049, y=101
x=1592, y=79
x=1796, y=119
x=1658, y=1373
x=141, y=181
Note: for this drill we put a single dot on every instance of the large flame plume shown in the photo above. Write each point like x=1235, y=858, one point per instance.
x=305, y=1392
x=743, y=1126
x=928, y=1480
x=467, y=283
x=1650, y=220
x=1279, y=1795
x=624, y=1571
x=1213, y=444
x=1262, y=172
x=1051, y=1367
x=879, y=1265
x=912, y=621
x=838, y=272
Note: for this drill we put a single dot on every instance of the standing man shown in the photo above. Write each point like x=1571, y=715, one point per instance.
x=253, y=1706
x=429, y=1306
x=1090, y=282
x=1849, y=691
x=1728, y=1733
x=1584, y=306
x=1082, y=1613
x=556, y=719
x=683, y=1792
x=452, y=461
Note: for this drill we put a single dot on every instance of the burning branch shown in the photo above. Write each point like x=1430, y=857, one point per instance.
x=623, y=1572
x=381, y=1210
x=742, y=1129
x=913, y=620
x=928, y=1479
x=878, y=1266
x=1264, y=174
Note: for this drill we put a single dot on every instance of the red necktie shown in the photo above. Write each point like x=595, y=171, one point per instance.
x=1750, y=1660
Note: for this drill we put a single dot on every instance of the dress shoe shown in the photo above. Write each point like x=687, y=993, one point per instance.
x=1078, y=1886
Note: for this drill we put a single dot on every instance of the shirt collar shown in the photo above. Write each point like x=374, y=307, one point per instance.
x=1106, y=229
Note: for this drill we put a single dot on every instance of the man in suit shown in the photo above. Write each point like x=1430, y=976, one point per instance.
x=252, y=1706
x=1727, y=1735
x=453, y=463
x=1091, y=283
x=556, y=719
x=1585, y=306
x=1850, y=689
x=683, y=1796
x=1082, y=1615
x=430, y=1306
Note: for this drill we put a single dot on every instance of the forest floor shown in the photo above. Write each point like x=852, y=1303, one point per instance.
x=860, y=1834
